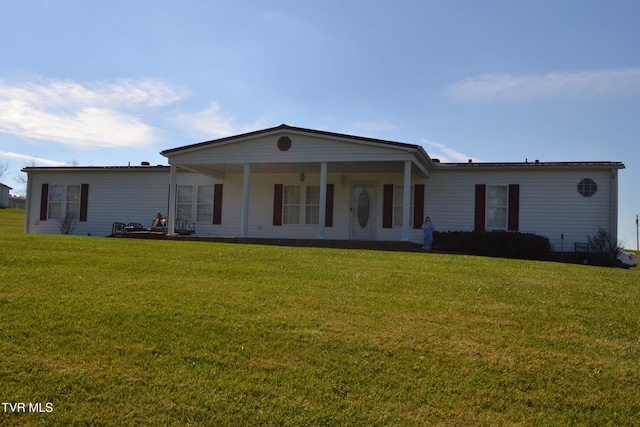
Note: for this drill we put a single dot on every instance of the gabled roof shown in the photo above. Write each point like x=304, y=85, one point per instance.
x=284, y=127
x=232, y=152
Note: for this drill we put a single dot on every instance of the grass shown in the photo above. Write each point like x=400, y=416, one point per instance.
x=139, y=332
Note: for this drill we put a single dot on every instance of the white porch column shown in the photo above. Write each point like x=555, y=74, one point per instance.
x=244, y=227
x=171, y=220
x=323, y=199
x=406, y=200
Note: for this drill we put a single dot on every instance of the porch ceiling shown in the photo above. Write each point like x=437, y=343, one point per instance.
x=220, y=170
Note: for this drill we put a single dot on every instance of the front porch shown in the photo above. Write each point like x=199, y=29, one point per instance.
x=298, y=183
x=356, y=206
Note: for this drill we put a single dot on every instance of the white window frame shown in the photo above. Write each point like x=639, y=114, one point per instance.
x=63, y=201
x=497, y=207
x=55, y=209
x=204, y=204
x=72, y=205
x=291, y=204
x=398, y=205
x=195, y=205
x=312, y=205
x=184, y=202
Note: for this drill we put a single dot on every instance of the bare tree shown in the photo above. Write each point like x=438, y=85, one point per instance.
x=67, y=224
x=4, y=167
x=604, y=247
x=21, y=177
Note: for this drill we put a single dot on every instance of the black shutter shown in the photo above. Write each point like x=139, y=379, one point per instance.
x=44, y=202
x=328, y=215
x=278, y=191
x=514, y=207
x=217, y=204
x=84, y=202
x=418, y=205
x=480, y=215
x=387, y=206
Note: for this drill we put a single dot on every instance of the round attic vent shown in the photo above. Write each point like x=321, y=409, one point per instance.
x=284, y=143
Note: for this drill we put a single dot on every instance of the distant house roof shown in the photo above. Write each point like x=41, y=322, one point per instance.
x=17, y=202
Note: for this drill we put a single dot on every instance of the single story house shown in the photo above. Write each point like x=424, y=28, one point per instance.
x=17, y=202
x=291, y=182
x=4, y=195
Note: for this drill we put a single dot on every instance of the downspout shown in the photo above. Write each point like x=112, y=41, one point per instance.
x=613, y=205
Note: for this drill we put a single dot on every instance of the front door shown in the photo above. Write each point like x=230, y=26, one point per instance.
x=363, y=208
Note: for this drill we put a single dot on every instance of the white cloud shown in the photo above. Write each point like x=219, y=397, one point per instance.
x=577, y=85
x=209, y=123
x=446, y=154
x=31, y=159
x=83, y=114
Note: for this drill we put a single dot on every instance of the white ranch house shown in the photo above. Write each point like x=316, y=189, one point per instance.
x=289, y=182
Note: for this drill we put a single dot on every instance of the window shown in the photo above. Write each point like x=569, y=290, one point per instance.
x=398, y=199
x=205, y=203
x=312, y=206
x=55, y=201
x=587, y=187
x=60, y=201
x=70, y=207
x=497, y=205
x=201, y=196
x=184, y=202
x=73, y=202
x=291, y=205
x=288, y=204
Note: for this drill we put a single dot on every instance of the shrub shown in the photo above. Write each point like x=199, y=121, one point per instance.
x=67, y=224
x=603, y=248
x=505, y=244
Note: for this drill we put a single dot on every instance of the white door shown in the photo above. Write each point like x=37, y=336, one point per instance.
x=363, y=208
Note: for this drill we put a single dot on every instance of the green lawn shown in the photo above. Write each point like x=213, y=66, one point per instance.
x=118, y=332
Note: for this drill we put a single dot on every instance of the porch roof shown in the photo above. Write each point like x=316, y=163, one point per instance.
x=364, y=155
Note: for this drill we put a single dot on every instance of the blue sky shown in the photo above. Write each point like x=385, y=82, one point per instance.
x=112, y=83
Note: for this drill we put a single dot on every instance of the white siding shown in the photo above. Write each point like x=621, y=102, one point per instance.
x=304, y=148
x=550, y=204
x=4, y=196
x=261, y=207
x=114, y=196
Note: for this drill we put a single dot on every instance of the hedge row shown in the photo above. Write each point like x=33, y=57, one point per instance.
x=506, y=244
